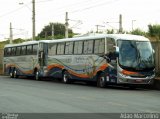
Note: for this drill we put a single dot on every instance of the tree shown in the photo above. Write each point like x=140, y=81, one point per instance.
x=138, y=32
x=154, y=31
x=110, y=31
x=59, y=31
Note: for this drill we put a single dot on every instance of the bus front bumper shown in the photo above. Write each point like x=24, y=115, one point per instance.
x=123, y=79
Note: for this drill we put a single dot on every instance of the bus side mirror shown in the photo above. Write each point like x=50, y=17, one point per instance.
x=153, y=51
x=117, y=51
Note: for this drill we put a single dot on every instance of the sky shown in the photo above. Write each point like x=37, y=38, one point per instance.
x=83, y=15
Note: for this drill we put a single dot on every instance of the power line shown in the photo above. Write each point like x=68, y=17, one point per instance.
x=86, y=2
x=97, y=5
x=25, y=5
x=13, y=11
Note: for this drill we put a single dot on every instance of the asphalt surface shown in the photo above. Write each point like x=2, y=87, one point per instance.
x=30, y=96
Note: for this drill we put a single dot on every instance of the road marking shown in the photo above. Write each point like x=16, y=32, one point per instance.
x=117, y=104
x=148, y=111
x=85, y=98
x=65, y=94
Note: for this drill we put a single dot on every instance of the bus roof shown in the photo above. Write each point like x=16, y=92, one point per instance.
x=96, y=36
x=128, y=37
x=99, y=36
x=24, y=43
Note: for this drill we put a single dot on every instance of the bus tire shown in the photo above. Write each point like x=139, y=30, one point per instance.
x=65, y=77
x=101, y=80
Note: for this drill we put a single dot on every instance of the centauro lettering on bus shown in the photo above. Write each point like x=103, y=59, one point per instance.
x=79, y=67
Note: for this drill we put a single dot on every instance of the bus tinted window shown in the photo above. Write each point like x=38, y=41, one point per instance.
x=18, y=50
x=60, y=49
x=23, y=51
x=99, y=46
x=5, y=51
x=8, y=51
x=13, y=52
x=35, y=49
x=52, y=49
x=69, y=48
x=88, y=47
x=78, y=47
x=29, y=49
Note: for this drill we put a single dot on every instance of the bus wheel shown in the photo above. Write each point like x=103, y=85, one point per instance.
x=101, y=81
x=65, y=77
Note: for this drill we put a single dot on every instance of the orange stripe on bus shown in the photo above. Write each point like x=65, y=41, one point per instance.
x=79, y=75
x=55, y=66
x=129, y=72
x=82, y=75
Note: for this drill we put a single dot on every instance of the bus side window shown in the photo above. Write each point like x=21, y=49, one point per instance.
x=9, y=52
x=88, y=47
x=13, y=51
x=99, y=46
x=52, y=49
x=23, y=51
x=18, y=50
x=69, y=48
x=60, y=49
x=78, y=45
x=35, y=49
x=5, y=51
x=29, y=49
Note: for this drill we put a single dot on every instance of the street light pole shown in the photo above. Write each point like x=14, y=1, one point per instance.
x=120, y=24
x=66, y=25
x=33, y=20
x=132, y=24
x=11, y=34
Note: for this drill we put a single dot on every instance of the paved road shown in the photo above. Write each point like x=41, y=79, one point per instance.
x=29, y=96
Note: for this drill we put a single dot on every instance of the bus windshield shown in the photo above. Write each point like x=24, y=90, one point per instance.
x=135, y=55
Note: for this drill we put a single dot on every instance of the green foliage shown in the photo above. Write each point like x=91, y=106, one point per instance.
x=154, y=31
x=15, y=41
x=18, y=40
x=59, y=32
x=138, y=32
x=110, y=31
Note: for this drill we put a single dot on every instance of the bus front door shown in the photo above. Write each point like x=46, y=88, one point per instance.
x=41, y=58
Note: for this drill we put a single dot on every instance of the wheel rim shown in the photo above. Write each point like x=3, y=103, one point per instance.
x=102, y=81
x=11, y=74
x=37, y=76
x=65, y=79
x=15, y=74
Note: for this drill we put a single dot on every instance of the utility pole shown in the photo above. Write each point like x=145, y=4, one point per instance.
x=33, y=20
x=120, y=24
x=66, y=25
x=52, y=30
x=97, y=27
x=11, y=34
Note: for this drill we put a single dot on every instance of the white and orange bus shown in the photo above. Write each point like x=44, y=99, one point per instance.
x=105, y=59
